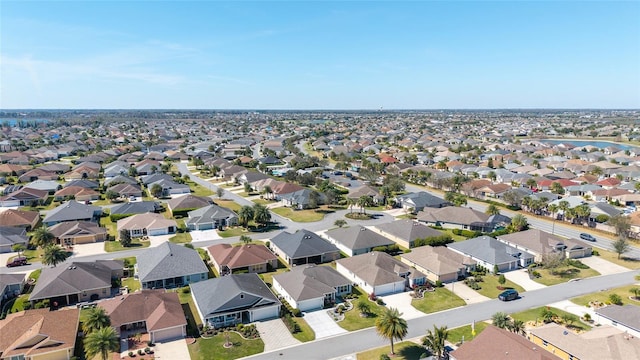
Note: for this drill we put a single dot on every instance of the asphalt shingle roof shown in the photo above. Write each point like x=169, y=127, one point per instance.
x=302, y=243
x=169, y=260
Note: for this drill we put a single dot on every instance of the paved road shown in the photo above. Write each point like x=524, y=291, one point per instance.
x=357, y=341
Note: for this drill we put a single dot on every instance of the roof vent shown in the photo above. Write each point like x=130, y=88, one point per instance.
x=241, y=296
x=363, y=229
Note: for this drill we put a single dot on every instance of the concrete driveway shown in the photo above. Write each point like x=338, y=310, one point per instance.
x=176, y=349
x=521, y=277
x=159, y=239
x=402, y=302
x=323, y=324
x=603, y=266
x=204, y=235
x=275, y=334
x=467, y=294
x=88, y=249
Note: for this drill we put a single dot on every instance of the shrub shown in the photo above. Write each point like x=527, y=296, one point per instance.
x=439, y=283
x=602, y=218
x=384, y=357
x=380, y=302
x=615, y=299
x=132, y=354
x=186, y=290
x=577, y=263
x=595, y=253
x=372, y=297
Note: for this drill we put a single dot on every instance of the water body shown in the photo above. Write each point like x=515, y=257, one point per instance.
x=14, y=122
x=598, y=144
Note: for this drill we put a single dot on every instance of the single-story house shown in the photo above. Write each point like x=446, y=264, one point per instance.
x=489, y=252
x=211, y=217
x=405, y=232
x=77, y=193
x=303, y=247
x=24, y=197
x=234, y=299
x=303, y=199
x=51, y=186
x=439, y=263
x=357, y=239
x=149, y=224
x=10, y=236
x=170, y=265
x=418, y=201
x=72, y=211
x=625, y=317
x=132, y=208
x=170, y=187
x=126, y=190
x=187, y=203
x=379, y=273
x=539, y=243
x=366, y=190
x=311, y=287
x=154, y=311
x=20, y=218
x=453, y=217
x=11, y=285
x=78, y=232
x=252, y=258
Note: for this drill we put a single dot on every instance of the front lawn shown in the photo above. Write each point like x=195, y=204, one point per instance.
x=229, y=204
x=132, y=284
x=263, y=201
x=489, y=286
x=457, y=335
x=629, y=263
x=213, y=349
x=603, y=296
x=535, y=314
x=353, y=321
x=306, y=333
x=233, y=231
x=199, y=190
x=438, y=300
x=111, y=246
x=181, y=238
x=563, y=274
x=299, y=215
x=405, y=350
x=34, y=255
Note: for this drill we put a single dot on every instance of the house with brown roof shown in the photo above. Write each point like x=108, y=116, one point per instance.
x=405, y=232
x=149, y=224
x=37, y=174
x=20, y=218
x=452, y=217
x=357, y=239
x=70, y=233
x=24, y=197
x=83, y=171
x=154, y=311
x=184, y=204
x=499, y=344
x=439, y=263
x=126, y=190
x=252, y=258
x=39, y=334
x=539, y=243
x=78, y=193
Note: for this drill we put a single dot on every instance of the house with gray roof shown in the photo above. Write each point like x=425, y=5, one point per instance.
x=188, y=203
x=89, y=184
x=72, y=211
x=539, y=243
x=150, y=179
x=302, y=199
x=379, y=273
x=303, y=247
x=625, y=317
x=356, y=239
x=311, y=287
x=138, y=207
x=10, y=236
x=211, y=217
x=120, y=179
x=234, y=299
x=170, y=187
x=73, y=282
x=50, y=186
x=489, y=252
x=11, y=285
x=418, y=201
x=454, y=217
x=405, y=232
x=170, y=265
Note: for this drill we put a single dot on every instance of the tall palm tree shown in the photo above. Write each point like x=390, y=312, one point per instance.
x=563, y=206
x=519, y=223
x=101, y=342
x=553, y=209
x=364, y=201
x=391, y=325
x=245, y=214
x=435, y=341
x=261, y=214
x=95, y=319
x=500, y=320
x=42, y=237
x=492, y=210
x=53, y=255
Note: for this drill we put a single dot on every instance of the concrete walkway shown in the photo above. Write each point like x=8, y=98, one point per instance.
x=602, y=266
x=274, y=334
x=402, y=302
x=323, y=324
x=467, y=294
x=521, y=277
x=176, y=349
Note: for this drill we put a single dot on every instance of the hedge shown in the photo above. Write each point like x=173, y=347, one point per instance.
x=439, y=240
x=116, y=217
x=181, y=212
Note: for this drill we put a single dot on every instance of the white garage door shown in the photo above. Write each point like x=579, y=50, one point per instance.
x=167, y=334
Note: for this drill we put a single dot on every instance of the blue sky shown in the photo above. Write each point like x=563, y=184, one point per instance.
x=319, y=55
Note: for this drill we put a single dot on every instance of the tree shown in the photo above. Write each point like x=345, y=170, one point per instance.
x=615, y=299
x=111, y=195
x=133, y=172
x=53, y=255
x=636, y=292
x=621, y=225
x=363, y=307
x=156, y=190
x=261, y=214
x=556, y=188
x=219, y=192
x=516, y=326
x=501, y=279
x=563, y=205
x=435, y=341
x=519, y=223
x=531, y=183
x=492, y=210
x=125, y=238
x=340, y=223
x=245, y=214
x=267, y=191
x=42, y=237
x=364, y=201
x=621, y=246
x=95, y=319
x=553, y=209
x=391, y=325
x=547, y=314
x=247, y=188
x=245, y=239
x=101, y=342
x=19, y=248
x=500, y=319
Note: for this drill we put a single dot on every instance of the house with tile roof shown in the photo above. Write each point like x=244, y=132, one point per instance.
x=170, y=265
x=311, y=287
x=303, y=247
x=357, y=239
x=439, y=263
x=250, y=257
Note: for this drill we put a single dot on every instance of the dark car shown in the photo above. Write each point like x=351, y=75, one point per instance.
x=588, y=237
x=19, y=261
x=509, y=294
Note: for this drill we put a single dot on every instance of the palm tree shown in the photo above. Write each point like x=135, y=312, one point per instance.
x=531, y=183
x=95, y=319
x=19, y=248
x=564, y=206
x=557, y=188
x=435, y=341
x=53, y=255
x=492, y=210
x=267, y=191
x=245, y=214
x=101, y=342
x=364, y=201
x=363, y=307
x=516, y=326
x=635, y=292
x=583, y=211
x=519, y=223
x=261, y=214
x=42, y=237
x=500, y=320
x=245, y=239
x=391, y=325
x=553, y=209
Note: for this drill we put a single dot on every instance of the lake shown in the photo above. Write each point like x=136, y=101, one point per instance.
x=598, y=144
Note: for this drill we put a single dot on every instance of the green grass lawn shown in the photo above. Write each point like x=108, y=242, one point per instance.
x=489, y=286
x=20, y=301
x=563, y=274
x=33, y=255
x=535, y=314
x=629, y=263
x=229, y=204
x=111, y=246
x=405, y=350
x=35, y=274
x=112, y=229
x=268, y=276
x=464, y=332
x=454, y=236
x=212, y=349
x=199, y=190
x=438, y=300
x=353, y=321
x=131, y=283
x=603, y=296
x=263, y=201
x=181, y=238
x=299, y=215
x=306, y=333
x=190, y=311
x=233, y=231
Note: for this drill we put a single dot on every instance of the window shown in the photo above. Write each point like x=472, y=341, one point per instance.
x=545, y=343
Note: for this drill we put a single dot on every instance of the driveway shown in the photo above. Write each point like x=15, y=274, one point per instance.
x=467, y=294
x=176, y=349
x=602, y=266
x=275, y=334
x=402, y=302
x=521, y=277
x=88, y=249
x=323, y=324
x=204, y=235
x=159, y=239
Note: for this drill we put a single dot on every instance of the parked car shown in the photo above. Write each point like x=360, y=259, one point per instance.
x=17, y=261
x=507, y=295
x=587, y=237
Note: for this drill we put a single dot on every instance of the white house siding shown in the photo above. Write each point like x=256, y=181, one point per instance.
x=264, y=313
x=161, y=231
x=390, y=288
x=310, y=304
x=168, y=334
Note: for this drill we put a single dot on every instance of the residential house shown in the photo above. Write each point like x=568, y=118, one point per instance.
x=311, y=287
x=184, y=204
x=303, y=199
x=418, y=201
x=303, y=247
x=10, y=236
x=39, y=334
x=234, y=299
x=132, y=208
x=119, y=179
x=379, y=273
x=170, y=187
x=70, y=233
x=11, y=285
x=74, y=282
x=540, y=243
x=24, y=197
x=170, y=265
x=89, y=184
x=251, y=258
x=439, y=263
x=51, y=186
x=37, y=174
x=405, y=232
x=625, y=317
x=366, y=190
x=72, y=211
x=211, y=217
x=150, y=179
x=148, y=224
x=453, y=217
x=77, y=193
x=20, y=218
x=156, y=312
x=489, y=252
x=356, y=239
x=126, y=190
